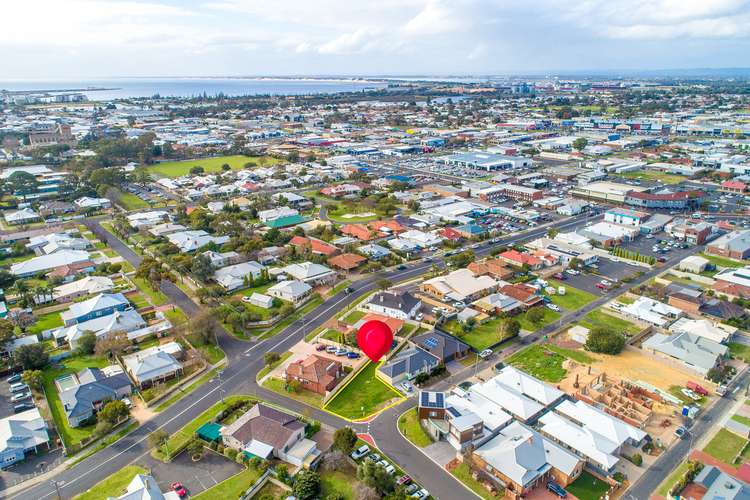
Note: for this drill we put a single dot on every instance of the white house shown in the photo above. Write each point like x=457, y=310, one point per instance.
x=21, y=433
x=86, y=202
x=399, y=305
x=293, y=291
x=310, y=273
x=47, y=262
x=23, y=216
x=261, y=300
x=233, y=277
x=189, y=241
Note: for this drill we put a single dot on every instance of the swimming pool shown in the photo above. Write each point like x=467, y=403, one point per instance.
x=66, y=382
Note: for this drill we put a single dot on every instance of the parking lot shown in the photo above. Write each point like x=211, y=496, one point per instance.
x=194, y=476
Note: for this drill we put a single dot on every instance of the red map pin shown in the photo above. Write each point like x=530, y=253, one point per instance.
x=374, y=338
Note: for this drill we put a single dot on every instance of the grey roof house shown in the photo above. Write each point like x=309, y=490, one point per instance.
x=154, y=364
x=399, y=305
x=720, y=485
x=442, y=345
x=408, y=364
x=92, y=390
x=697, y=353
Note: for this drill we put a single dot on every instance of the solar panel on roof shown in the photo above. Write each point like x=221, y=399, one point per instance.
x=431, y=342
x=439, y=399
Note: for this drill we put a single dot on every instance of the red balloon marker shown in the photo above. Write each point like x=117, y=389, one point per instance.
x=374, y=338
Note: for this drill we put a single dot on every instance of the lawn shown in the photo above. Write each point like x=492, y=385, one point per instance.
x=576, y=355
x=266, y=369
x=129, y=201
x=409, y=425
x=156, y=296
x=654, y=175
x=175, y=316
x=719, y=261
x=336, y=289
x=462, y=472
x=480, y=337
x=588, y=487
x=549, y=317
x=70, y=435
x=739, y=351
x=105, y=442
x=337, y=484
x=186, y=390
x=303, y=396
x=741, y=419
x=670, y=481
x=363, y=396
x=45, y=322
x=725, y=446
x=232, y=487
x=212, y=353
x=270, y=491
x=573, y=299
x=597, y=317
x=210, y=165
x=676, y=391
x=114, y=485
x=302, y=311
x=539, y=362
x=354, y=316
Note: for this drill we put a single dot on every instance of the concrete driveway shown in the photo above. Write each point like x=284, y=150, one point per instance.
x=440, y=452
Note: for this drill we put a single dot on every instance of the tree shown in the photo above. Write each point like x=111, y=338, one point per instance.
x=86, y=343
x=508, y=328
x=197, y=170
x=552, y=232
x=157, y=438
x=535, y=315
x=604, y=340
x=202, y=268
x=23, y=183
x=204, y=327
x=113, y=412
x=580, y=144
x=6, y=331
x=344, y=439
x=111, y=345
x=195, y=449
x=384, y=284
x=33, y=378
x=306, y=485
x=282, y=473
x=31, y=356
x=271, y=357
x=375, y=476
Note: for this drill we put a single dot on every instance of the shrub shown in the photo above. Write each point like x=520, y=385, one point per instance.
x=637, y=459
x=619, y=477
x=604, y=340
x=230, y=453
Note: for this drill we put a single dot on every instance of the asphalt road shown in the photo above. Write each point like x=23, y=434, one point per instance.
x=244, y=361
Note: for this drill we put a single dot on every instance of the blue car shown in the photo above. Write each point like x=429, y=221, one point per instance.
x=352, y=355
x=557, y=489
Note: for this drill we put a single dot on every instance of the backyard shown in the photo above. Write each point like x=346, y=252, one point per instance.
x=70, y=435
x=210, y=165
x=337, y=484
x=588, y=487
x=114, y=485
x=303, y=396
x=542, y=363
x=720, y=261
x=364, y=395
x=549, y=317
x=462, y=472
x=573, y=299
x=45, y=322
x=739, y=351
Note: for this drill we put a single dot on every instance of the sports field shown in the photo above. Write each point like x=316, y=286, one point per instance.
x=210, y=165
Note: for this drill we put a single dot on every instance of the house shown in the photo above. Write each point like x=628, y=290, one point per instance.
x=148, y=219
x=717, y=332
x=347, y=261
x=103, y=304
x=89, y=285
x=261, y=300
x=520, y=460
x=56, y=242
x=695, y=352
x=154, y=365
x=221, y=259
x=235, y=277
x=69, y=272
x=496, y=304
x=734, y=186
x=310, y=273
x=315, y=373
x=341, y=190
x=92, y=389
x=144, y=487
x=718, y=485
x=276, y=213
x=189, y=241
x=407, y=364
x=420, y=239
x=652, y=311
x=443, y=346
x=734, y=245
x=374, y=252
x=521, y=259
x=460, y=285
x=166, y=229
x=293, y=291
x=316, y=246
x=693, y=264
x=590, y=433
x=361, y=232
x=523, y=293
x=20, y=434
x=393, y=323
x=732, y=282
x=88, y=203
x=117, y=322
x=23, y=216
x=391, y=226
x=291, y=199
x=400, y=305
x=496, y=268
x=265, y=432
x=43, y=263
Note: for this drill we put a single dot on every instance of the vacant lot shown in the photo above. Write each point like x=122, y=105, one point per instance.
x=542, y=363
x=653, y=175
x=598, y=317
x=725, y=446
x=548, y=318
x=232, y=487
x=722, y=261
x=573, y=299
x=480, y=337
x=363, y=396
x=210, y=165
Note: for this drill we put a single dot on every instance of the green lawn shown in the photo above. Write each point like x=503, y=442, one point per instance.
x=536, y=361
x=129, y=201
x=266, y=369
x=549, y=317
x=308, y=397
x=114, y=485
x=212, y=353
x=409, y=425
x=739, y=351
x=70, y=435
x=717, y=260
x=588, y=487
x=156, y=296
x=302, y=311
x=579, y=356
x=481, y=336
x=597, y=317
x=354, y=316
x=340, y=286
x=210, y=165
x=176, y=316
x=670, y=481
x=573, y=299
x=186, y=390
x=725, y=446
x=462, y=472
x=138, y=300
x=654, y=175
x=363, y=396
x=7, y=261
x=105, y=442
x=741, y=419
x=45, y=322
x=232, y=487
x=337, y=483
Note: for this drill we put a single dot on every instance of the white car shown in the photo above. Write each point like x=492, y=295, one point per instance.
x=485, y=354
x=423, y=493
x=691, y=394
x=390, y=470
x=553, y=307
x=360, y=452
x=246, y=298
x=407, y=387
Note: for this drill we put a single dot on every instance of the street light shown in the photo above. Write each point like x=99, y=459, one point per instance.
x=56, y=485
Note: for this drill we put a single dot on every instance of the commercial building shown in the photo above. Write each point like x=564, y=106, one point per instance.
x=735, y=245
x=486, y=161
x=681, y=200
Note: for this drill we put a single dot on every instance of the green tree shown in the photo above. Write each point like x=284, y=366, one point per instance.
x=375, y=476
x=86, y=343
x=6, y=331
x=604, y=340
x=384, y=284
x=31, y=357
x=344, y=439
x=33, y=378
x=535, y=315
x=508, y=328
x=271, y=357
x=157, y=438
x=580, y=144
x=113, y=412
x=306, y=484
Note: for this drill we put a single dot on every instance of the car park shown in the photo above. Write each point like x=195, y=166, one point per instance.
x=179, y=489
x=360, y=452
x=13, y=379
x=373, y=457
x=405, y=479
x=20, y=397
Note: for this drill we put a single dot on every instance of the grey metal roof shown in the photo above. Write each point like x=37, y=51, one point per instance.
x=410, y=360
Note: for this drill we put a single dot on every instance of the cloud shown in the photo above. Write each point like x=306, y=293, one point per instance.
x=437, y=17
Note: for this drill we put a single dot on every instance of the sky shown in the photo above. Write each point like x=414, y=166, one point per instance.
x=54, y=39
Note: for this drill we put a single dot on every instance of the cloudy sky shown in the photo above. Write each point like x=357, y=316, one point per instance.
x=105, y=38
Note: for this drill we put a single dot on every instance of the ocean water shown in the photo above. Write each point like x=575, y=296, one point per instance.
x=189, y=87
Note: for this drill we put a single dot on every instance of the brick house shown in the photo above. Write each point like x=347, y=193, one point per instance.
x=315, y=373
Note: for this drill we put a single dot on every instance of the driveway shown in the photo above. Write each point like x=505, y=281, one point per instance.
x=441, y=452
x=32, y=466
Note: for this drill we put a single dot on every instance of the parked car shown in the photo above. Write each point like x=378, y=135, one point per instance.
x=360, y=452
x=556, y=489
x=405, y=479
x=572, y=272
x=352, y=355
x=18, y=387
x=423, y=493
x=407, y=387
x=390, y=469
x=179, y=489
x=14, y=378
x=23, y=407
x=553, y=307
x=341, y=351
x=320, y=347
x=411, y=488
x=373, y=457
x=331, y=349
x=692, y=395
x=601, y=286
x=559, y=276
x=20, y=397
x=697, y=388
x=680, y=432
x=401, y=267
x=246, y=298
x=485, y=353
x=348, y=289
